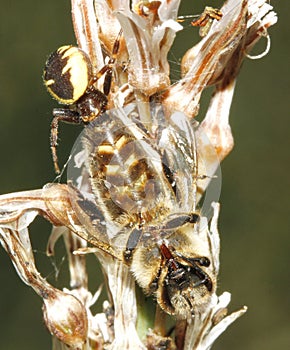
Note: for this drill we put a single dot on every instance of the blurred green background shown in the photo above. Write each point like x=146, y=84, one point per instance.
x=254, y=223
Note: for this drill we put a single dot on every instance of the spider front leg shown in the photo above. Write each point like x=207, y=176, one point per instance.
x=107, y=70
x=64, y=115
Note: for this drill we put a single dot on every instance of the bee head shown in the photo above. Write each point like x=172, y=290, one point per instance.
x=173, y=264
x=183, y=285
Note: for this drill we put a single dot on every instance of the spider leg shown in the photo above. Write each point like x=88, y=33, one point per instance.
x=63, y=115
x=109, y=74
x=108, y=68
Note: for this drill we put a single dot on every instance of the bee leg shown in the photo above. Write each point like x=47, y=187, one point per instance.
x=64, y=115
x=204, y=278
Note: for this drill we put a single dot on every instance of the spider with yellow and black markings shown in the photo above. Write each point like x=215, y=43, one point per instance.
x=69, y=78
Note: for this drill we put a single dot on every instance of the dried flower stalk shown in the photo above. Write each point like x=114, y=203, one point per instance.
x=149, y=29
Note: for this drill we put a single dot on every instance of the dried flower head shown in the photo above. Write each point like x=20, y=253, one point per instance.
x=137, y=191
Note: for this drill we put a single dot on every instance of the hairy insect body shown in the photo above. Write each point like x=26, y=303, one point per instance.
x=125, y=171
x=181, y=284
x=143, y=179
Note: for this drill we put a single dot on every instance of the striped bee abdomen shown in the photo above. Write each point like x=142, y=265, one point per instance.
x=126, y=171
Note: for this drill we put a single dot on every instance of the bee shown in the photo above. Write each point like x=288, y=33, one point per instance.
x=140, y=203
x=70, y=79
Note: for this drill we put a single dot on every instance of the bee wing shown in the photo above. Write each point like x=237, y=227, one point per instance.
x=134, y=173
x=68, y=206
x=125, y=167
x=179, y=144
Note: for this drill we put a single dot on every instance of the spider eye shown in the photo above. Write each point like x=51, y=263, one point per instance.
x=67, y=74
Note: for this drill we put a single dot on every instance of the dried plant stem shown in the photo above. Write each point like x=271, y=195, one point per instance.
x=143, y=106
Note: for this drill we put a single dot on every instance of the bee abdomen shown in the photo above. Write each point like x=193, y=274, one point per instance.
x=123, y=174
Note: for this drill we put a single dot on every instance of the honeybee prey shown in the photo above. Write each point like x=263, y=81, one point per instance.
x=140, y=206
